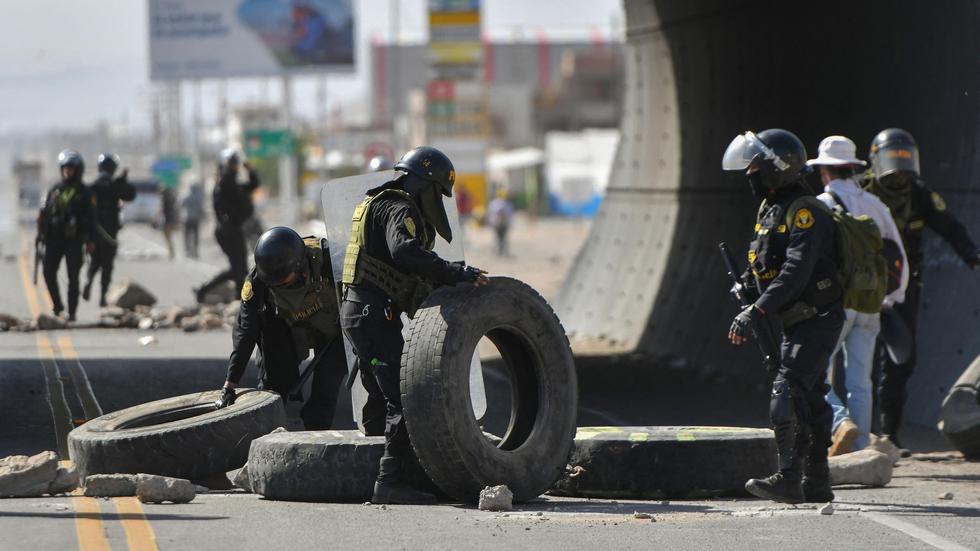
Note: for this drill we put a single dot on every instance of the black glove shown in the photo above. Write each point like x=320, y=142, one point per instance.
x=470, y=274
x=227, y=399
x=973, y=261
x=742, y=324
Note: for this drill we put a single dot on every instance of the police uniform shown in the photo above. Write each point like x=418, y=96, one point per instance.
x=106, y=196
x=66, y=219
x=232, y=207
x=389, y=268
x=285, y=322
x=913, y=211
x=791, y=260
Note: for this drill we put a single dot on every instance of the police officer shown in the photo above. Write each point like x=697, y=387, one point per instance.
x=389, y=268
x=65, y=226
x=289, y=305
x=894, y=177
x=794, y=277
x=232, y=207
x=107, y=192
x=379, y=163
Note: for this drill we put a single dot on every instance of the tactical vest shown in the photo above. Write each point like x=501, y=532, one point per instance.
x=408, y=291
x=312, y=306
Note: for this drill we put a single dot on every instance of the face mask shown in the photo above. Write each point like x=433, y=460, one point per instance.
x=896, y=182
x=757, y=185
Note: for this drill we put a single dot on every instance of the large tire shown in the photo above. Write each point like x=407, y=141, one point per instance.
x=182, y=437
x=435, y=390
x=338, y=466
x=666, y=462
x=960, y=418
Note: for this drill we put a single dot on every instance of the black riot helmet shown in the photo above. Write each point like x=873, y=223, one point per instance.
x=72, y=158
x=379, y=163
x=108, y=163
x=777, y=158
x=279, y=252
x=894, y=150
x=428, y=176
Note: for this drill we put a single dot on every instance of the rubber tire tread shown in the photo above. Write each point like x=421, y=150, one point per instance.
x=666, y=462
x=960, y=417
x=450, y=445
x=321, y=466
x=192, y=448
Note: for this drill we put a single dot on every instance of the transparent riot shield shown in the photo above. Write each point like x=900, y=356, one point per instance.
x=339, y=197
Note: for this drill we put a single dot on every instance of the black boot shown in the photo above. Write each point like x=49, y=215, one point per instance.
x=816, y=482
x=390, y=488
x=785, y=486
x=87, y=291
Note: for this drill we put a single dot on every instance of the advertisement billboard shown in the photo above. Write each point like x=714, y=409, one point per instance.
x=191, y=39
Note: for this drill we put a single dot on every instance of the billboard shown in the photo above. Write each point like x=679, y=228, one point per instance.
x=192, y=39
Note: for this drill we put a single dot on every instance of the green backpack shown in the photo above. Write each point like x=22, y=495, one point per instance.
x=861, y=265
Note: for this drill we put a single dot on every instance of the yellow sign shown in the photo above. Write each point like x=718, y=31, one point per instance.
x=803, y=220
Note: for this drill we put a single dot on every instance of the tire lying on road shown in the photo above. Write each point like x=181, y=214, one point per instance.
x=666, y=462
x=435, y=389
x=960, y=417
x=332, y=466
x=181, y=437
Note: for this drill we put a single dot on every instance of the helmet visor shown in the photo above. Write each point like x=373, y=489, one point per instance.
x=744, y=149
x=896, y=158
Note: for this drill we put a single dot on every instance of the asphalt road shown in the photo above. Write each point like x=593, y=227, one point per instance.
x=48, y=379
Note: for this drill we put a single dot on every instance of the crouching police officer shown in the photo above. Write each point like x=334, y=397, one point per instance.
x=65, y=227
x=894, y=177
x=108, y=192
x=289, y=304
x=794, y=275
x=389, y=268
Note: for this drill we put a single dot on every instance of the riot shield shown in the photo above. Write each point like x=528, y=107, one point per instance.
x=339, y=197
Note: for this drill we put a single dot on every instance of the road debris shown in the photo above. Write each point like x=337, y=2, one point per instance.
x=866, y=467
x=128, y=295
x=23, y=476
x=148, y=340
x=48, y=322
x=639, y=515
x=885, y=446
x=151, y=488
x=110, y=485
x=827, y=509
x=496, y=498
x=946, y=496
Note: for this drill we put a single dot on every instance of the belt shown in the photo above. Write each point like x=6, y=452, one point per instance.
x=797, y=312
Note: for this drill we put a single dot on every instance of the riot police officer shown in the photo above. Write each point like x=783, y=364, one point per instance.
x=232, y=207
x=794, y=277
x=379, y=163
x=894, y=177
x=108, y=193
x=65, y=227
x=289, y=304
x=389, y=268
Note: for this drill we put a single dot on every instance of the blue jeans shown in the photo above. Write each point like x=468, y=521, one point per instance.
x=858, y=341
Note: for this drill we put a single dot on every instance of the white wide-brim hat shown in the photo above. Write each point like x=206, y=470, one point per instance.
x=836, y=151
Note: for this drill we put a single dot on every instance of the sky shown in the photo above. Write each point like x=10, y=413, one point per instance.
x=68, y=64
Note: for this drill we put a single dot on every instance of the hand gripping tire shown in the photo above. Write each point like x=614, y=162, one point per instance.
x=328, y=466
x=449, y=442
x=182, y=437
x=960, y=418
x=666, y=462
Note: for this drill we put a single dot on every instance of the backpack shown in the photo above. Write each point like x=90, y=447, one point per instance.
x=861, y=265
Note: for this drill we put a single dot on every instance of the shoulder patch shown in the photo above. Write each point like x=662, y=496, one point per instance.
x=410, y=225
x=938, y=202
x=803, y=219
x=247, y=290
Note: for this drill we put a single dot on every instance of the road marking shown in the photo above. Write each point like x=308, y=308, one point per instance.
x=139, y=533
x=88, y=525
x=83, y=388
x=916, y=532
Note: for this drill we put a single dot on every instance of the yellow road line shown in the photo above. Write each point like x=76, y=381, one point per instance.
x=139, y=533
x=88, y=525
x=29, y=290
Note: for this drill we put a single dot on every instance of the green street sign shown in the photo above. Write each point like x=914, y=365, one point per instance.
x=269, y=143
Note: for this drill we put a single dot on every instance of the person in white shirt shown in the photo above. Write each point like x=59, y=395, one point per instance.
x=839, y=172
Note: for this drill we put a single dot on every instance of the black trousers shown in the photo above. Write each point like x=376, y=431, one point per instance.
x=279, y=363
x=102, y=259
x=192, y=237
x=232, y=243
x=71, y=251
x=378, y=343
x=798, y=408
x=894, y=377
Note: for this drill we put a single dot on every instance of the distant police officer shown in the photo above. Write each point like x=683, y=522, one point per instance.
x=65, y=226
x=289, y=304
x=894, y=177
x=794, y=275
x=379, y=163
x=108, y=193
x=232, y=207
x=389, y=268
